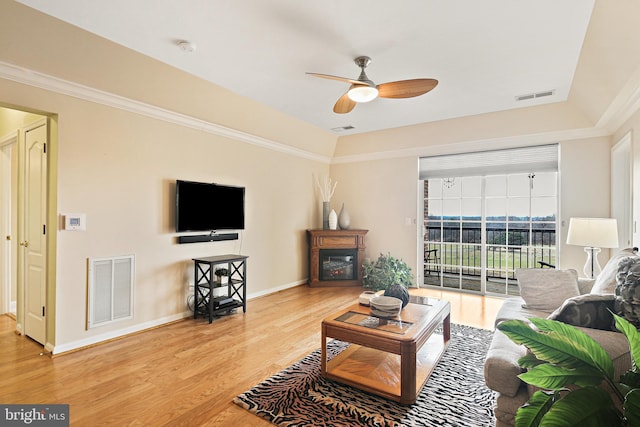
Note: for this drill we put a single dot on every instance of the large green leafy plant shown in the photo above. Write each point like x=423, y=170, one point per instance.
x=575, y=375
x=384, y=272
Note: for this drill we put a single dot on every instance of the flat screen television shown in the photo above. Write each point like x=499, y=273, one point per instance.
x=202, y=206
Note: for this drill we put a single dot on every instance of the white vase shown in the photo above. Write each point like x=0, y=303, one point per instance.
x=333, y=220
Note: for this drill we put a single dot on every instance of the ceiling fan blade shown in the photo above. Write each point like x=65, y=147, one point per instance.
x=406, y=88
x=341, y=79
x=344, y=105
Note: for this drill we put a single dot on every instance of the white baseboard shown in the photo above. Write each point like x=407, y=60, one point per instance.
x=278, y=289
x=119, y=333
x=97, y=339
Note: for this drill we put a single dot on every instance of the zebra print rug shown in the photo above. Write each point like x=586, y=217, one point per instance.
x=455, y=394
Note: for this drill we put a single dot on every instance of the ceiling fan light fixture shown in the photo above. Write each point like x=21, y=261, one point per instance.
x=362, y=93
x=364, y=90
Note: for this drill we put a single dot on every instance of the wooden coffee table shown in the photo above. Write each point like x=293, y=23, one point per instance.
x=392, y=358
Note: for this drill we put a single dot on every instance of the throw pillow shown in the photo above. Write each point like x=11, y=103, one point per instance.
x=546, y=289
x=606, y=280
x=585, y=285
x=627, y=292
x=588, y=311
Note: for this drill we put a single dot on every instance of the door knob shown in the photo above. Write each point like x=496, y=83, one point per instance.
x=25, y=244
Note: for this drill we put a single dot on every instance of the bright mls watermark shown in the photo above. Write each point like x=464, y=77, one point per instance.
x=34, y=415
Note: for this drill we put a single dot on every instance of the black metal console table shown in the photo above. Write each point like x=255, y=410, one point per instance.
x=205, y=283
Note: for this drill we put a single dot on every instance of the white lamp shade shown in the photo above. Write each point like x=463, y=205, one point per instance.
x=593, y=232
x=362, y=93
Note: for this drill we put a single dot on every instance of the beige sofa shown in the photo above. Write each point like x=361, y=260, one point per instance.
x=592, y=299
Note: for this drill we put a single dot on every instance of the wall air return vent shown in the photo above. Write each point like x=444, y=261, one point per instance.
x=110, y=290
x=535, y=95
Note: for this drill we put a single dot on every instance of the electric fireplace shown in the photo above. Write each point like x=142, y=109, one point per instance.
x=335, y=257
x=338, y=264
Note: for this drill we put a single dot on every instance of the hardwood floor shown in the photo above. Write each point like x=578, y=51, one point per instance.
x=187, y=373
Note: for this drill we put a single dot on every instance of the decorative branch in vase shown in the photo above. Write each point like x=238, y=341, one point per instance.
x=326, y=189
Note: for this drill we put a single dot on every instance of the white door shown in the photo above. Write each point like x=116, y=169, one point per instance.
x=8, y=223
x=621, y=190
x=34, y=228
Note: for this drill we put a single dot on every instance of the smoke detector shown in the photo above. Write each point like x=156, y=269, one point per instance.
x=187, y=46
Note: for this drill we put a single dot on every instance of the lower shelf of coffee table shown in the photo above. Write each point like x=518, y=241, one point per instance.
x=379, y=372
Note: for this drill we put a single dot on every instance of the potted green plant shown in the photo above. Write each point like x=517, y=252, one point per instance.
x=570, y=368
x=387, y=273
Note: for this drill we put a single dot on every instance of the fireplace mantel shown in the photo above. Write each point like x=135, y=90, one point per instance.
x=320, y=240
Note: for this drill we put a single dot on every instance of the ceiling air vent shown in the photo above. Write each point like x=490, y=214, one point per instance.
x=342, y=128
x=534, y=95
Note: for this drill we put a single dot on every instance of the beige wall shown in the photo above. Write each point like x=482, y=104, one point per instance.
x=584, y=192
x=119, y=168
x=117, y=164
x=10, y=120
x=379, y=196
x=382, y=195
x=522, y=126
x=378, y=172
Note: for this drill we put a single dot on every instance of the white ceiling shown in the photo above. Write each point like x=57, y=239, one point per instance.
x=484, y=53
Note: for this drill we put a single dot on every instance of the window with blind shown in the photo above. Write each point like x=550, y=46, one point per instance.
x=487, y=214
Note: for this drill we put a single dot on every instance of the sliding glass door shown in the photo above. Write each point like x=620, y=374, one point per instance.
x=479, y=229
x=453, y=233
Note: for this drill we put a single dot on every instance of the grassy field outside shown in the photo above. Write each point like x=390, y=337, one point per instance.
x=501, y=261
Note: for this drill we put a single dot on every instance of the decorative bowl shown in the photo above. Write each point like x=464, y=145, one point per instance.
x=383, y=306
x=365, y=297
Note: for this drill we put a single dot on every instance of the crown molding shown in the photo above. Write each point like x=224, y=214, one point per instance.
x=623, y=106
x=478, y=145
x=44, y=81
x=617, y=113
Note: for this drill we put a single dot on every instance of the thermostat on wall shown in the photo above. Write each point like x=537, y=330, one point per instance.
x=75, y=222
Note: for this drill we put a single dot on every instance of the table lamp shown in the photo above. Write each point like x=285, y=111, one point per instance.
x=593, y=234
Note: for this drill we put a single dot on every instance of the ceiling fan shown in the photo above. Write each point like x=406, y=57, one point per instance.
x=364, y=90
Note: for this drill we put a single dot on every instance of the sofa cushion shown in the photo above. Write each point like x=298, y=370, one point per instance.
x=585, y=285
x=512, y=308
x=616, y=346
x=606, y=281
x=589, y=311
x=546, y=289
x=501, y=367
x=507, y=406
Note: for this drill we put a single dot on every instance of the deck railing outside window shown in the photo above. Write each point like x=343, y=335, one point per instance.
x=449, y=249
